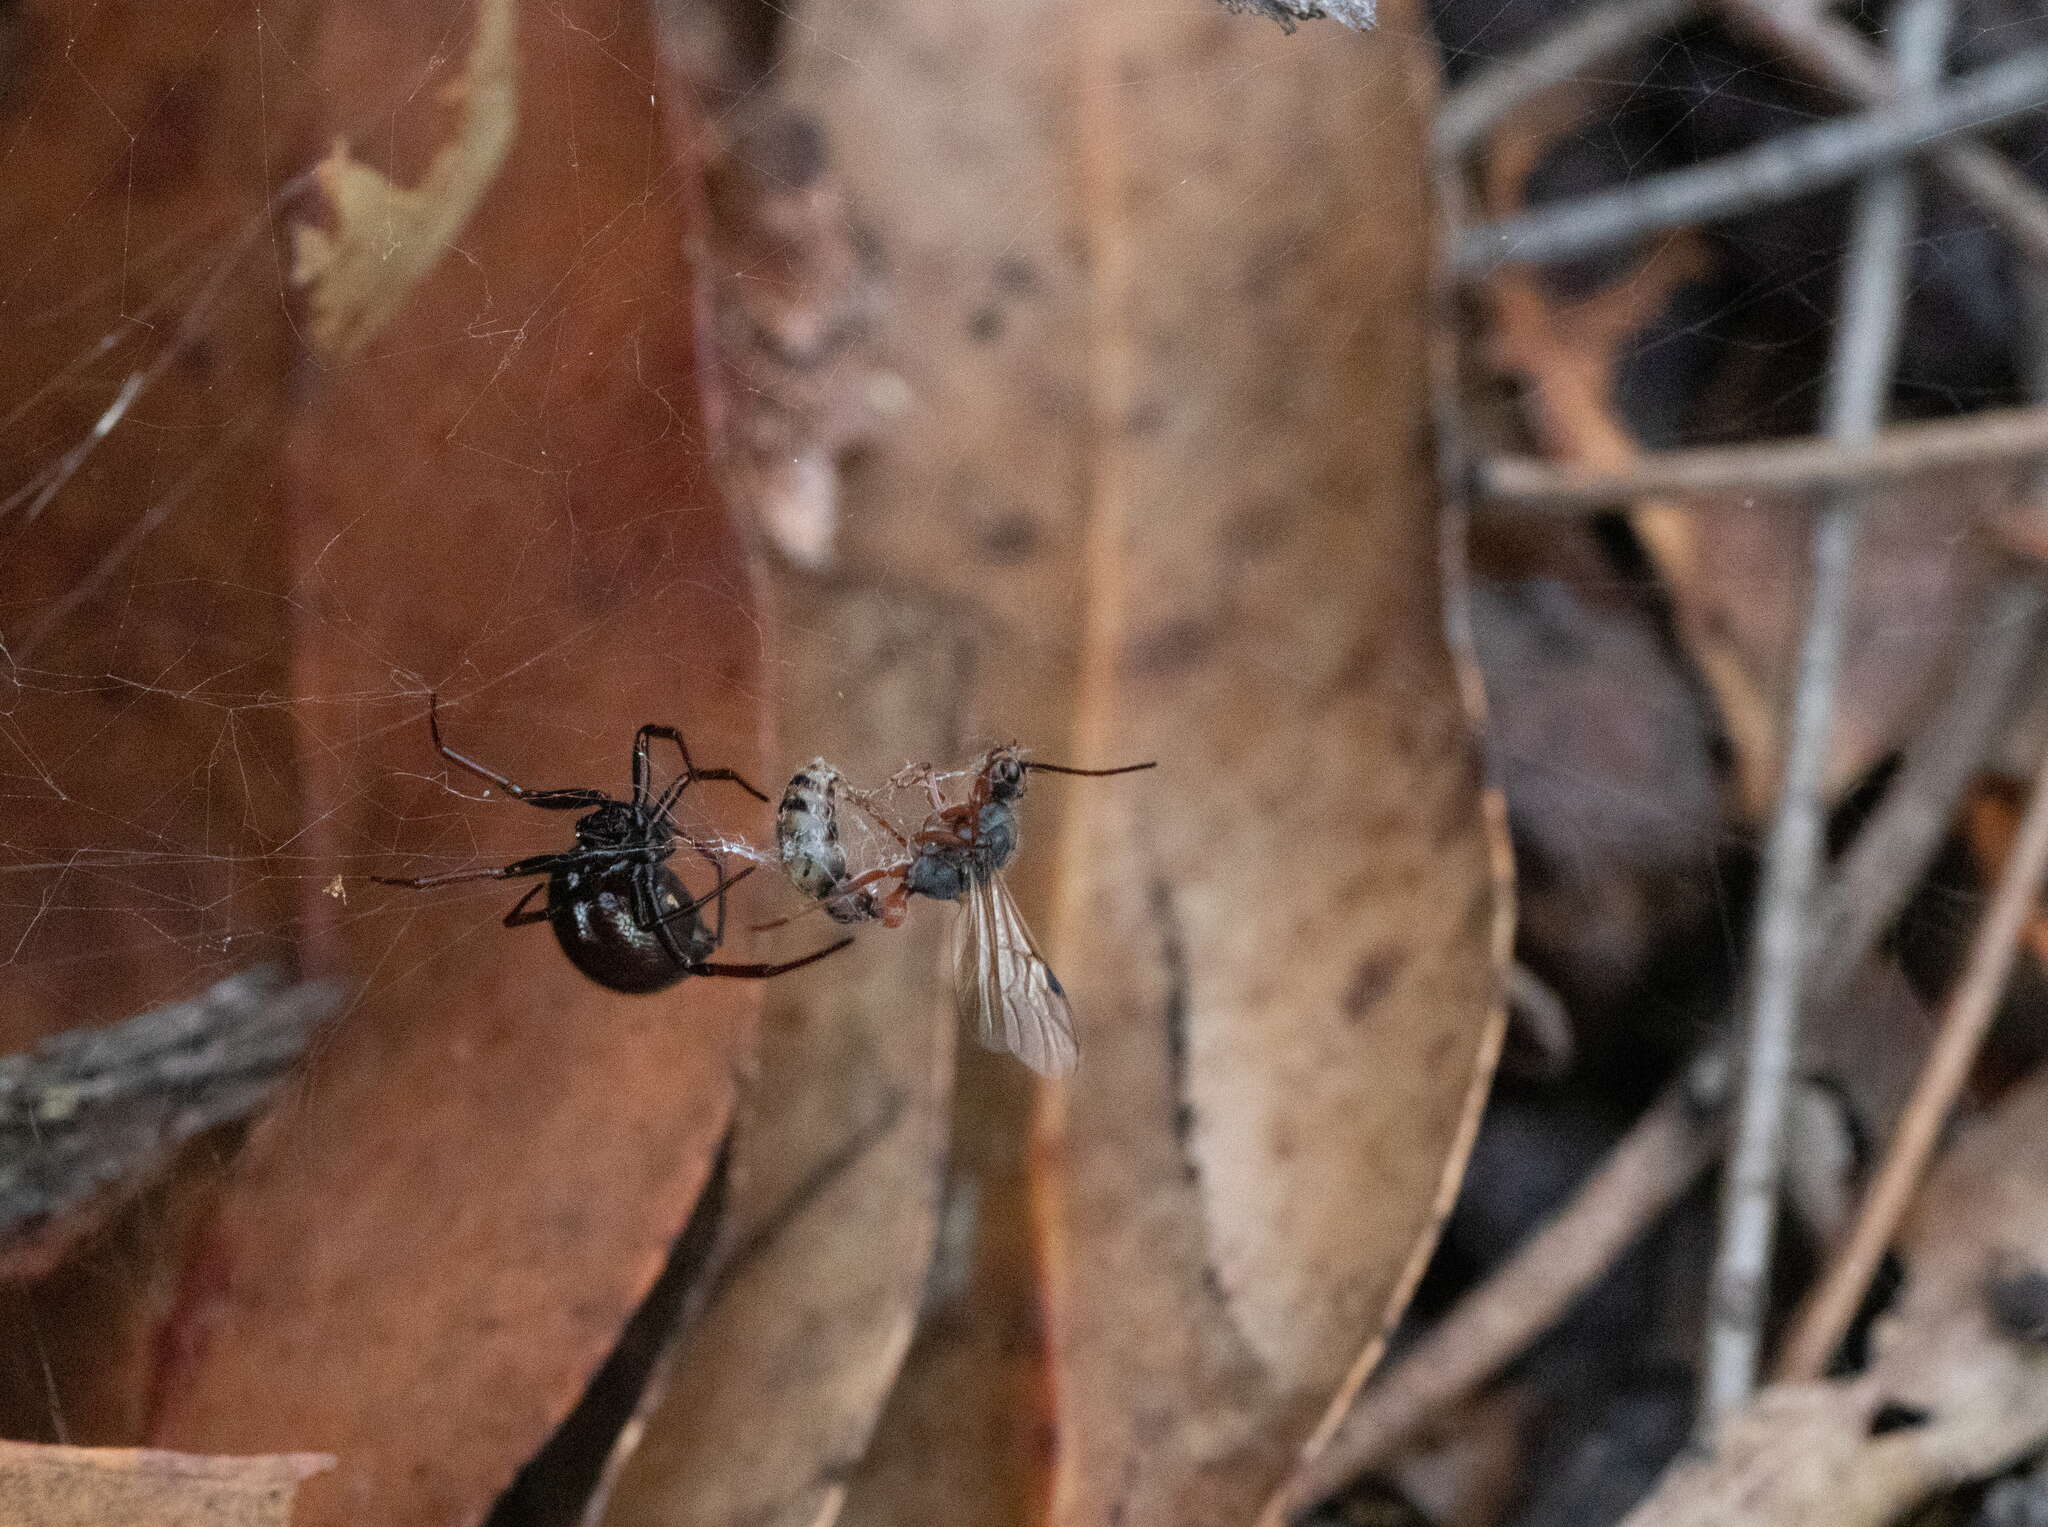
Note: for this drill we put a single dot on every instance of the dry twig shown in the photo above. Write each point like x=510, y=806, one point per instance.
x=2016, y=613
x=1589, y=35
x=1783, y=169
x=1789, y=468
x=1834, y=53
x=1859, y=381
x=1825, y=1317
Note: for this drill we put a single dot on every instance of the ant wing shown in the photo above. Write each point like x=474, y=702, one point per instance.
x=1003, y=985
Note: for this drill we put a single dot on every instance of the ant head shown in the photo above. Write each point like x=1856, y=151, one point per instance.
x=1004, y=769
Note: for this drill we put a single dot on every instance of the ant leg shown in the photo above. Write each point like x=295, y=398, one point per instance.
x=850, y=900
x=547, y=800
x=690, y=769
x=924, y=777
x=865, y=801
x=893, y=906
x=519, y=917
x=540, y=864
x=762, y=972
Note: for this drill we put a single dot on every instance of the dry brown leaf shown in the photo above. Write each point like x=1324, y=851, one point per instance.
x=1991, y=819
x=420, y=1257
x=420, y=1264
x=1191, y=517
x=1295, y=977
x=838, y=1153
x=48, y=1486
x=1950, y=1397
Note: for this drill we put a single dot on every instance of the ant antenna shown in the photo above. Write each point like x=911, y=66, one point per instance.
x=1049, y=768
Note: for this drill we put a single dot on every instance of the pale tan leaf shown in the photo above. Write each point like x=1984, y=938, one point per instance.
x=1289, y=954
x=1155, y=281
x=52, y=1486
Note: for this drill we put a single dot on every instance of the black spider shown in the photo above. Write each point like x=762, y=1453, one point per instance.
x=621, y=915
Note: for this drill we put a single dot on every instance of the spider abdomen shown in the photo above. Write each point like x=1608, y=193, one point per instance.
x=595, y=922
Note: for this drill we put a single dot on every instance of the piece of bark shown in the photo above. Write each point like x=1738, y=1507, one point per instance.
x=89, y=1115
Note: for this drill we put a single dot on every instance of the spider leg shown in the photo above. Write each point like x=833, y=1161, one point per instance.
x=716, y=893
x=519, y=917
x=540, y=864
x=762, y=972
x=547, y=800
x=690, y=770
x=717, y=869
x=651, y=919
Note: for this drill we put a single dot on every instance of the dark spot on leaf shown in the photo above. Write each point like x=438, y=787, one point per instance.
x=1893, y=1417
x=1173, y=954
x=986, y=326
x=1009, y=538
x=1371, y=981
x=787, y=148
x=1255, y=529
x=1147, y=418
x=1360, y=665
x=1177, y=645
x=2019, y=1305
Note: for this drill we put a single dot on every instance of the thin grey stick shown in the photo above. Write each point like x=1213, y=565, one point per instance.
x=1765, y=468
x=1788, y=166
x=1832, y=1303
x=1880, y=869
x=1591, y=34
x=1859, y=380
x=1836, y=54
x=2016, y=608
